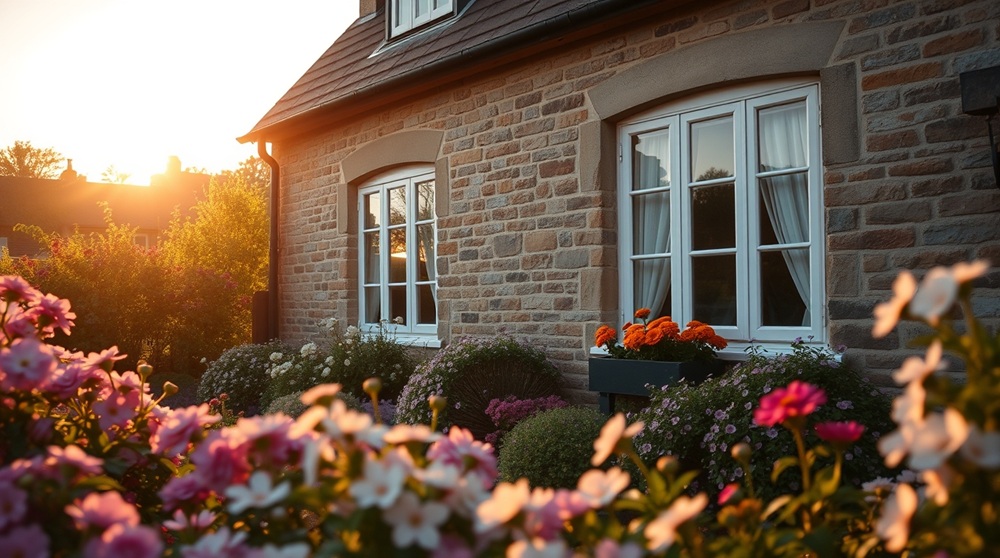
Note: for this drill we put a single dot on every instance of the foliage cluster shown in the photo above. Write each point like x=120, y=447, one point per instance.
x=241, y=373
x=552, y=448
x=699, y=424
x=185, y=299
x=347, y=357
x=470, y=373
x=506, y=413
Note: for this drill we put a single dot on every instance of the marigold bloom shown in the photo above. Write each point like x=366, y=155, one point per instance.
x=654, y=336
x=635, y=337
x=642, y=313
x=840, y=432
x=605, y=335
x=798, y=399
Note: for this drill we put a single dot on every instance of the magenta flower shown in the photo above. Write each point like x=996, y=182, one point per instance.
x=462, y=450
x=102, y=510
x=53, y=313
x=116, y=409
x=798, y=399
x=105, y=360
x=26, y=364
x=176, y=427
x=728, y=493
x=16, y=289
x=135, y=541
x=75, y=458
x=840, y=432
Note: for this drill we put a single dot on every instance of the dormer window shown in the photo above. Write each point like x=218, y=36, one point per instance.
x=407, y=15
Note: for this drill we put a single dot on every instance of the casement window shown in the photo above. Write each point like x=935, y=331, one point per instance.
x=406, y=15
x=397, y=252
x=721, y=215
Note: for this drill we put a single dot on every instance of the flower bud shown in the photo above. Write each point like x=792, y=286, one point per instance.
x=741, y=453
x=668, y=465
x=438, y=402
x=170, y=388
x=372, y=386
x=144, y=370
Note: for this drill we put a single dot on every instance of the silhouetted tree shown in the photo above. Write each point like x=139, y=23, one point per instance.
x=25, y=161
x=114, y=176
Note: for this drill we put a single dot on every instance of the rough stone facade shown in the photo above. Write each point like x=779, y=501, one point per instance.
x=526, y=211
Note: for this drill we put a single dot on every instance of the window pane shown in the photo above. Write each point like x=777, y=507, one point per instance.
x=651, y=223
x=652, y=286
x=397, y=206
x=421, y=8
x=373, y=211
x=784, y=285
x=373, y=305
x=397, y=253
x=714, y=284
x=425, y=195
x=784, y=209
x=425, y=252
x=651, y=160
x=712, y=149
x=426, y=308
x=713, y=217
x=397, y=303
x=372, y=259
x=783, y=140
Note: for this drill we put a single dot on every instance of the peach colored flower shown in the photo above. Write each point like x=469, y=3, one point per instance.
x=613, y=432
x=894, y=524
x=598, y=488
x=887, y=313
x=504, y=503
x=798, y=399
x=414, y=521
x=916, y=369
x=662, y=531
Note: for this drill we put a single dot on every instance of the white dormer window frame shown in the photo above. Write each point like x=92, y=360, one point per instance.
x=407, y=15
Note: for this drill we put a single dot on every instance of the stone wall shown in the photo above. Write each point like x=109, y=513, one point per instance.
x=528, y=238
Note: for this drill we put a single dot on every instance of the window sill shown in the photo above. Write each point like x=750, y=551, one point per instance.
x=737, y=352
x=419, y=341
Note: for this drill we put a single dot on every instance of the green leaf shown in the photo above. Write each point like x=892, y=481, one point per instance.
x=826, y=482
x=781, y=464
x=776, y=505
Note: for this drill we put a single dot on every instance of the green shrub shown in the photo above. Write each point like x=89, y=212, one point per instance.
x=291, y=404
x=241, y=373
x=348, y=357
x=700, y=424
x=551, y=449
x=472, y=372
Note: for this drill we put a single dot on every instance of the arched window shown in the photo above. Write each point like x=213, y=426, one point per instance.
x=721, y=212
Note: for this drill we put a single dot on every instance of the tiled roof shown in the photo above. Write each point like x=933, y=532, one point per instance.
x=361, y=65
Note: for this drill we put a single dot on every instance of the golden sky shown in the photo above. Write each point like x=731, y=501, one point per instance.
x=130, y=83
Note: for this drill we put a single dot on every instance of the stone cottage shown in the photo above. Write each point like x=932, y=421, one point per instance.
x=543, y=167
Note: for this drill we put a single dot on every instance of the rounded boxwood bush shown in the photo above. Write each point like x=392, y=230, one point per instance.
x=241, y=373
x=551, y=449
x=472, y=372
x=291, y=404
x=699, y=424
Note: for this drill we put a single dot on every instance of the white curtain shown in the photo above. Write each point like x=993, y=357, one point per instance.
x=651, y=230
x=425, y=236
x=783, y=144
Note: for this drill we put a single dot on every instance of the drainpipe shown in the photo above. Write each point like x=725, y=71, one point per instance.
x=272, y=254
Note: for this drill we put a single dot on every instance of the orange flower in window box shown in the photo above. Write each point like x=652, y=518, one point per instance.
x=661, y=340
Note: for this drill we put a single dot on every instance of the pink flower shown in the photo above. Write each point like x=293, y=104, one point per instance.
x=177, y=426
x=505, y=502
x=730, y=491
x=13, y=504
x=179, y=490
x=462, y=450
x=798, y=399
x=66, y=381
x=116, y=409
x=319, y=393
x=268, y=438
x=221, y=543
x=134, y=541
x=221, y=460
x=28, y=541
x=102, y=510
x=53, y=313
x=613, y=433
x=181, y=521
x=894, y=524
x=662, y=531
x=381, y=484
x=74, y=457
x=609, y=548
x=105, y=360
x=915, y=369
x=16, y=289
x=26, y=364
x=887, y=313
x=538, y=548
x=840, y=432
x=599, y=488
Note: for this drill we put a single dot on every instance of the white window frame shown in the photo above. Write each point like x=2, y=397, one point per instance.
x=742, y=102
x=403, y=14
x=405, y=177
